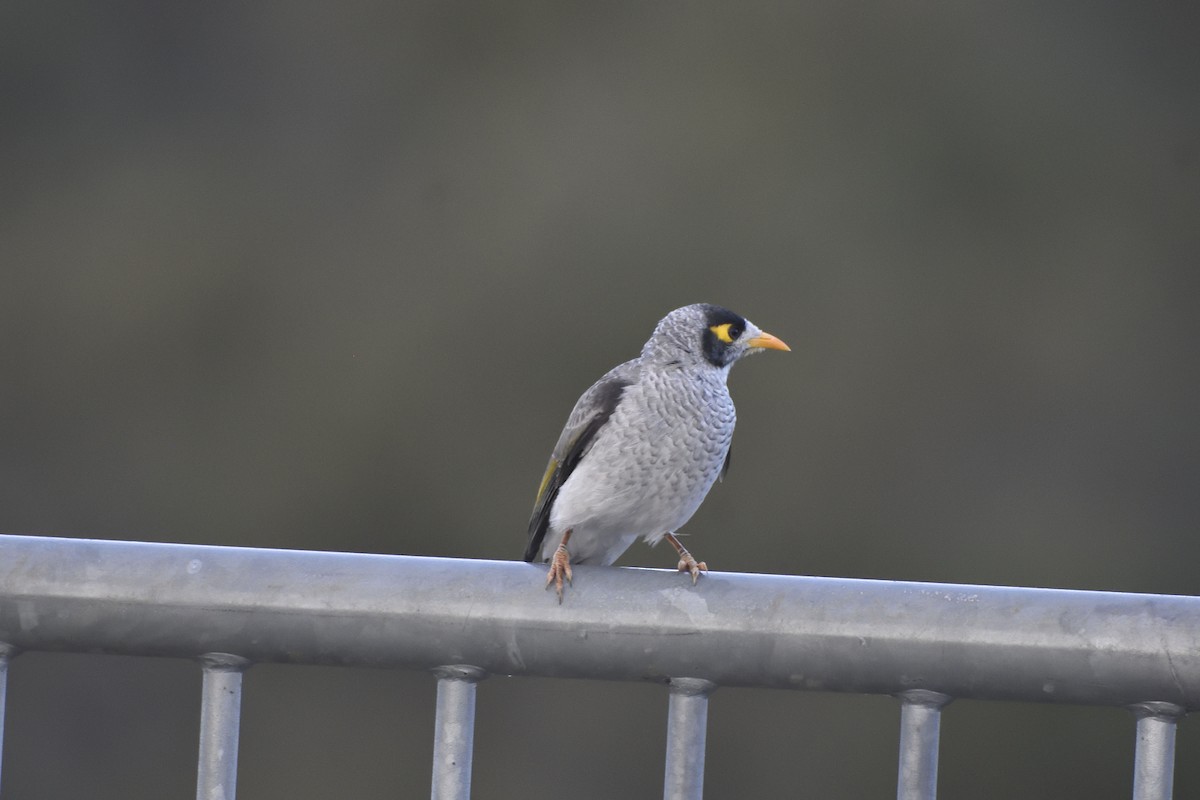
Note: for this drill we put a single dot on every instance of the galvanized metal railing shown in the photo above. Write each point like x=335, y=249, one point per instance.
x=463, y=620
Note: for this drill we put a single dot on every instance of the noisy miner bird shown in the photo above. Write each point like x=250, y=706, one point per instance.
x=643, y=445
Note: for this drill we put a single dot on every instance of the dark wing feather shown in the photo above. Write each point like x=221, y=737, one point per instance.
x=728, y=461
x=589, y=415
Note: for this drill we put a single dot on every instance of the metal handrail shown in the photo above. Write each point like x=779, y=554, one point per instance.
x=925, y=643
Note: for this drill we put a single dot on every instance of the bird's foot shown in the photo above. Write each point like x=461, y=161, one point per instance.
x=560, y=568
x=689, y=564
x=686, y=562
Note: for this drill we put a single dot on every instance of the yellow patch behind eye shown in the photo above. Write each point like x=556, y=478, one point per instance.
x=722, y=332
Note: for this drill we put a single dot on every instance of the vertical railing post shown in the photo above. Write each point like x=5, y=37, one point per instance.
x=687, y=727
x=454, y=731
x=6, y=653
x=1154, y=758
x=920, y=729
x=220, y=721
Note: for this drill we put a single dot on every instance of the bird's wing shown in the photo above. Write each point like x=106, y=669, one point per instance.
x=590, y=414
x=728, y=461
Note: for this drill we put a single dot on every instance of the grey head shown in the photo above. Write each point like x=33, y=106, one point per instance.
x=705, y=335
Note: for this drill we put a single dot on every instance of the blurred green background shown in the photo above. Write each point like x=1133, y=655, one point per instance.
x=330, y=277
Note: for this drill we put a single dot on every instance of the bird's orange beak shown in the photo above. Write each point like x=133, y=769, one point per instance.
x=768, y=342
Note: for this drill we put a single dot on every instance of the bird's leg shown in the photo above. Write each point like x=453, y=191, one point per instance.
x=686, y=562
x=560, y=566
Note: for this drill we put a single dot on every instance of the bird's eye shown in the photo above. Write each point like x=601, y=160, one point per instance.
x=735, y=330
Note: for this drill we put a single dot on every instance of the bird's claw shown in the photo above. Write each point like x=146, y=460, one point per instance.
x=686, y=562
x=560, y=567
x=691, y=565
